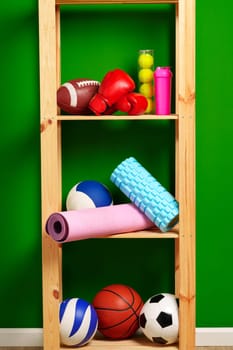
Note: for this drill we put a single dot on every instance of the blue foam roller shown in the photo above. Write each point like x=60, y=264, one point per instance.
x=146, y=193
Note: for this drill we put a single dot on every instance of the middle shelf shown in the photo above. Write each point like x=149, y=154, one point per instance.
x=151, y=234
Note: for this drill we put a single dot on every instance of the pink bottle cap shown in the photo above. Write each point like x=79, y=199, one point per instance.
x=162, y=72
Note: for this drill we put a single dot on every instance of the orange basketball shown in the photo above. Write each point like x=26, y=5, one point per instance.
x=118, y=307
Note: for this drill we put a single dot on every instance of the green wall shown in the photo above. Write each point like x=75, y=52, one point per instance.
x=112, y=38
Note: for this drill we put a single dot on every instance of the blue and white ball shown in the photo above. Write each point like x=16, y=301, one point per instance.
x=88, y=194
x=78, y=322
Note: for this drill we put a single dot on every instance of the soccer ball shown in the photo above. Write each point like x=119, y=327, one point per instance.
x=159, y=319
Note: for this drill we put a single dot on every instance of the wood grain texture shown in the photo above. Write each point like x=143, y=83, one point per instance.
x=99, y=2
x=197, y=348
x=50, y=166
x=185, y=167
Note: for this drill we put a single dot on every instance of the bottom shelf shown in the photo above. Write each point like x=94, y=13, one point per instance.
x=138, y=342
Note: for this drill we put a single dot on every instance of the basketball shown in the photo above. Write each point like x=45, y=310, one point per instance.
x=118, y=307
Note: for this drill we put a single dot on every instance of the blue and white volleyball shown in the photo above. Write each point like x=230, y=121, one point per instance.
x=78, y=322
x=88, y=194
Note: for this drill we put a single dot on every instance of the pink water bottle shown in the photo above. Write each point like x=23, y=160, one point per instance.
x=162, y=86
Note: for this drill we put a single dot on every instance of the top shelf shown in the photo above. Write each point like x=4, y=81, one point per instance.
x=118, y=117
x=96, y=2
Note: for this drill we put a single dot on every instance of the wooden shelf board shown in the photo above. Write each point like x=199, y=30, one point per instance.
x=153, y=233
x=137, y=343
x=118, y=117
x=99, y=2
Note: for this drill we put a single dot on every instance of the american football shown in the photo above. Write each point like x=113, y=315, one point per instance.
x=73, y=97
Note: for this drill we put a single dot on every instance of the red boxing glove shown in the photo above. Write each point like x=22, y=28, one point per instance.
x=133, y=103
x=115, y=84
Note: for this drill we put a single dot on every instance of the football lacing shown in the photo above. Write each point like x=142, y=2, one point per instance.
x=87, y=83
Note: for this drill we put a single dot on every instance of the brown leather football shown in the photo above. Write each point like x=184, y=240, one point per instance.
x=73, y=97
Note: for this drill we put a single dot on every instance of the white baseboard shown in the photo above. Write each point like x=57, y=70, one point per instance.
x=21, y=337
x=218, y=336
x=34, y=337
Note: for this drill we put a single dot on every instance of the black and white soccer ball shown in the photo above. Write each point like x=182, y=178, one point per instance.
x=159, y=319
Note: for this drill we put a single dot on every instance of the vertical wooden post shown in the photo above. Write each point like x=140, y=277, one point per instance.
x=177, y=246
x=186, y=165
x=50, y=170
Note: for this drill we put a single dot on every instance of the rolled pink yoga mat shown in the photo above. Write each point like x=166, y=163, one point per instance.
x=75, y=225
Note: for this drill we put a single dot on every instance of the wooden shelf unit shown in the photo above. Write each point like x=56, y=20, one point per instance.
x=184, y=119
